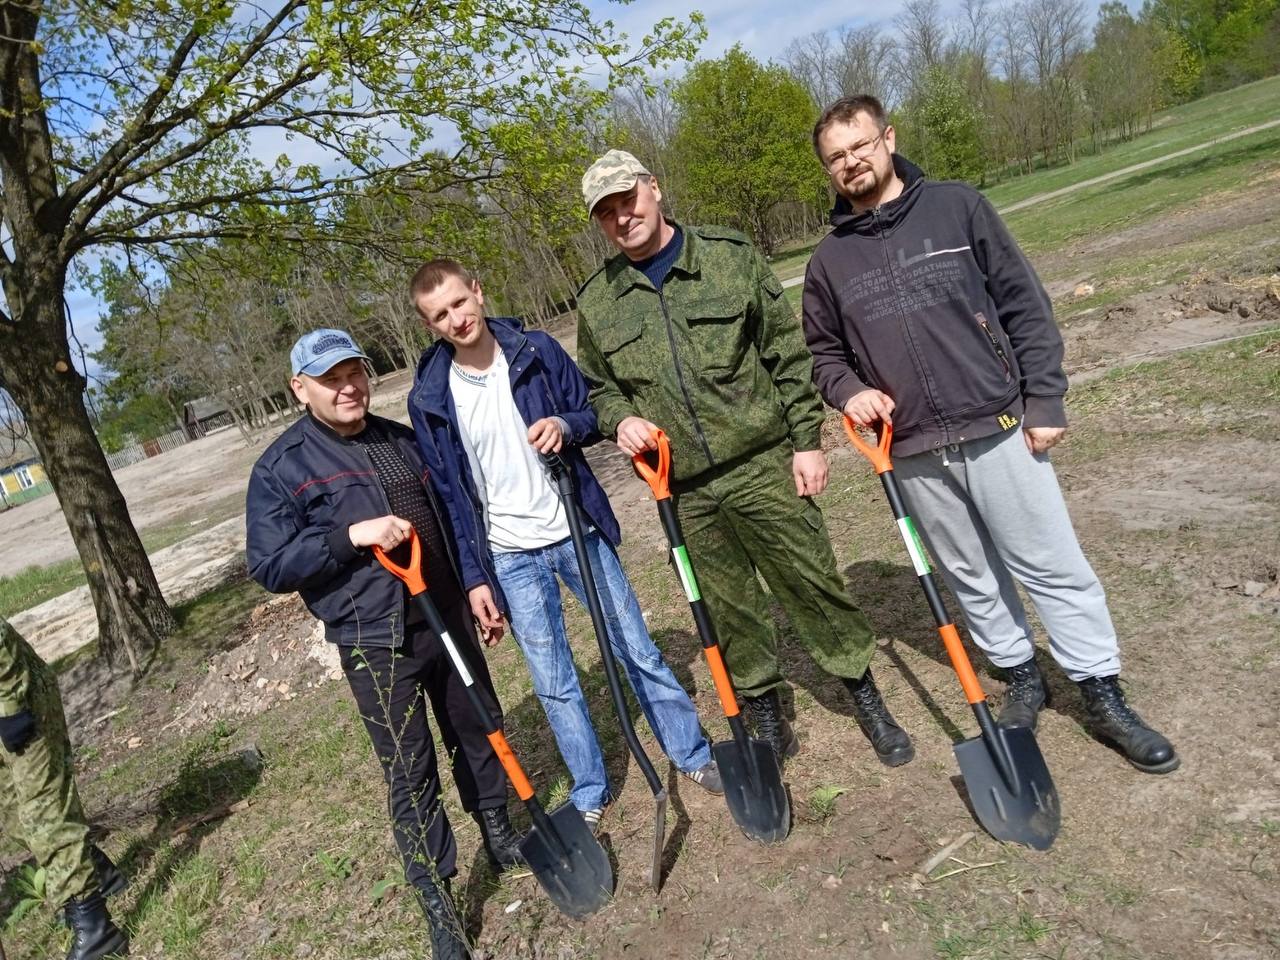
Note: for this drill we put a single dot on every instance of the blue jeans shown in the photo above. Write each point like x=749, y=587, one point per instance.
x=528, y=578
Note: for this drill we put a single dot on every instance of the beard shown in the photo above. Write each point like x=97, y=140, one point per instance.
x=863, y=185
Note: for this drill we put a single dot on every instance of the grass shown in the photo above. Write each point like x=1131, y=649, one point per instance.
x=1174, y=129
x=1122, y=203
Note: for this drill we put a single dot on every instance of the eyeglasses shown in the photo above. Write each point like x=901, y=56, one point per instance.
x=861, y=151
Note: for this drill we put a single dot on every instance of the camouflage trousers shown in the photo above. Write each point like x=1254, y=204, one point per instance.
x=744, y=520
x=38, y=798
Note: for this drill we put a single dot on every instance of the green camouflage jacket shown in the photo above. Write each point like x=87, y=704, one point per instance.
x=15, y=670
x=717, y=360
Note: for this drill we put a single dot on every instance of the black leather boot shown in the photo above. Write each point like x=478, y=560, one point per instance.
x=771, y=726
x=890, y=741
x=448, y=940
x=94, y=936
x=1024, y=696
x=110, y=880
x=501, y=842
x=1112, y=719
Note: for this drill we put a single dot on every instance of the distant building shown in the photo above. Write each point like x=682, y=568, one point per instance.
x=204, y=415
x=22, y=475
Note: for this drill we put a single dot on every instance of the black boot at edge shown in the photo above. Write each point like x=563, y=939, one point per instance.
x=94, y=936
x=890, y=741
x=1112, y=719
x=448, y=940
x=771, y=725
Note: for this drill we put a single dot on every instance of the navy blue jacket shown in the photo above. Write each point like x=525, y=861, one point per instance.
x=545, y=382
x=306, y=489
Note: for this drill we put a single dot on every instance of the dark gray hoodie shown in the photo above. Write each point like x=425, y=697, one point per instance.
x=928, y=299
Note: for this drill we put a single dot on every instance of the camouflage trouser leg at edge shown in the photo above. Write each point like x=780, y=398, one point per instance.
x=749, y=519
x=41, y=805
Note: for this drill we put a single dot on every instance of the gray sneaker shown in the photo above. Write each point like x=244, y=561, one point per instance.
x=592, y=819
x=707, y=777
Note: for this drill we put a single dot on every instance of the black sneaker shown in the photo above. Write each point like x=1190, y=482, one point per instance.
x=1112, y=719
x=1024, y=696
x=890, y=741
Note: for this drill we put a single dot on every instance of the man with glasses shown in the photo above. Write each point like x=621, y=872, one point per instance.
x=921, y=311
x=687, y=329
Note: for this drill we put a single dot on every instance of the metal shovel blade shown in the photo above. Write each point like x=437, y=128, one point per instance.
x=753, y=792
x=659, y=838
x=580, y=882
x=1028, y=811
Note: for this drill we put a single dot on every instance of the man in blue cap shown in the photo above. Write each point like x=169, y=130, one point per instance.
x=334, y=485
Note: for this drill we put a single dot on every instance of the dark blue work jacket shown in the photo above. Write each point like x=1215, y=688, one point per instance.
x=306, y=489
x=545, y=382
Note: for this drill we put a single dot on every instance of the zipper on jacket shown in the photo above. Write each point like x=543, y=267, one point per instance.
x=995, y=344
x=906, y=324
x=684, y=390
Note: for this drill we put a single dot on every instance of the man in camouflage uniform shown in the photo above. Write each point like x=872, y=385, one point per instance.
x=40, y=804
x=687, y=329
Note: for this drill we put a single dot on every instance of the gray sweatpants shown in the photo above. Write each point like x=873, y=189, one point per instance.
x=990, y=511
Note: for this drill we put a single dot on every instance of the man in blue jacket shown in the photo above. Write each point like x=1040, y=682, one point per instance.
x=921, y=311
x=334, y=485
x=488, y=399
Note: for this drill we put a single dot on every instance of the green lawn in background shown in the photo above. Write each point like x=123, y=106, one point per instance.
x=1172, y=130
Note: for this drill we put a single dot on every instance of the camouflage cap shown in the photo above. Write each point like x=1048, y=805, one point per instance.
x=616, y=172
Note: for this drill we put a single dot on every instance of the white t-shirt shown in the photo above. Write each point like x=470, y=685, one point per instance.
x=522, y=509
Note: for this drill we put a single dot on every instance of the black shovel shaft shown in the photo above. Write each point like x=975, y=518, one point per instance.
x=460, y=665
x=919, y=559
x=907, y=527
x=492, y=731
x=675, y=537
x=707, y=634
x=564, y=485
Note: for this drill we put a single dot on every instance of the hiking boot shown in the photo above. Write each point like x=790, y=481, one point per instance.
x=94, y=936
x=707, y=777
x=110, y=880
x=1024, y=696
x=771, y=726
x=1112, y=719
x=448, y=940
x=501, y=842
x=890, y=741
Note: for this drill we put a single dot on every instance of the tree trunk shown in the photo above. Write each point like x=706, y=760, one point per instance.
x=132, y=614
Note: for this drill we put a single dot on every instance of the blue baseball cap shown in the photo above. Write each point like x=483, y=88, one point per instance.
x=317, y=352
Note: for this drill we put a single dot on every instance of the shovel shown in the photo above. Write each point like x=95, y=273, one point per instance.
x=567, y=860
x=753, y=789
x=564, y=486
x=1004, y=771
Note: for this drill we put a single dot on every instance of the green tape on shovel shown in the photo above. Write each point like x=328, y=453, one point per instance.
x=919, y=559
x=685, y=569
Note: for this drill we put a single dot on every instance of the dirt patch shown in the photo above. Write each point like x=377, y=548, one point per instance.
x=1210, y=309
x=284, y=653
x=1177, y=489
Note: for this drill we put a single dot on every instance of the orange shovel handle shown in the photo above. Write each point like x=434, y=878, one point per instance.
x=658, y=478
x=411, y=574
x=879, y=454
